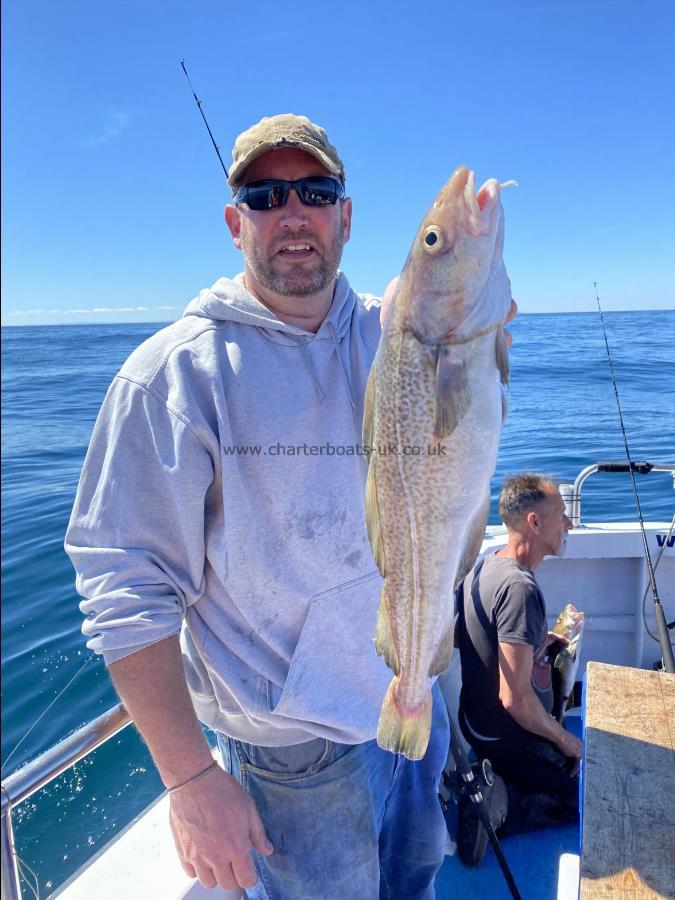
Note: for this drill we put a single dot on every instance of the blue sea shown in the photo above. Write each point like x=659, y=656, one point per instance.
x=562, y=417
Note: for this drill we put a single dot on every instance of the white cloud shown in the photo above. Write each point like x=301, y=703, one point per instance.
x=115, y=121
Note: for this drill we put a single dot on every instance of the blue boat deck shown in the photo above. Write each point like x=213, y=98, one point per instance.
x=533, y=859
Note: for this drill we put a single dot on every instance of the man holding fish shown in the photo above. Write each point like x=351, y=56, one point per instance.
x=507, y=697
x=229, y=583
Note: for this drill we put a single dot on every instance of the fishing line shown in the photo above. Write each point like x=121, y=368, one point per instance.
x=199, y=106
x=45, y=711
x=34, y=887
x=664, y=639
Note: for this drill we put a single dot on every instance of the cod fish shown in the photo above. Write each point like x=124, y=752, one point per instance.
x=565, y=656
x=433, y=413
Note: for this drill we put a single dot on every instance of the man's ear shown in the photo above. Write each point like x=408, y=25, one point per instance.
x=233, y=222
x=533, y=521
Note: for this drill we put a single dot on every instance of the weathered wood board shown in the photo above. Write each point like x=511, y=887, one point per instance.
x=628, y=826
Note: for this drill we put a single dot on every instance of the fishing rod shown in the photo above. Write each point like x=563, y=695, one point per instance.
x=199, y=107
x=474, y=785
x=662, y=627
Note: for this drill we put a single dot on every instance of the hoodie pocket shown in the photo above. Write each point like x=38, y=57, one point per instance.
x=336, y=679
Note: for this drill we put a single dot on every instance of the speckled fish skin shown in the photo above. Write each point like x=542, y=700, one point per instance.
x=570, y=625
x=435, y=383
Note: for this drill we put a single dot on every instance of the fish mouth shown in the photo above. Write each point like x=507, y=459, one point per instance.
x=453, y=191
x=479, y=206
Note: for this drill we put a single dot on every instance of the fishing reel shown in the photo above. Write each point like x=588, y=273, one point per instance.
x=473, y=781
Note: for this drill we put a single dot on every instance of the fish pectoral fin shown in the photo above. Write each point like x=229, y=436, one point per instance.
x=384, y=637
x=441, y=660
x=502, y=353
x=372, y=515
x=401, y=730
x=452, y=398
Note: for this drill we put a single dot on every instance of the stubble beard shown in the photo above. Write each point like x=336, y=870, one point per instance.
x=300, y=280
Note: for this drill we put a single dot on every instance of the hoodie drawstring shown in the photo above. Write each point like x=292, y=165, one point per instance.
x=312, y=371
x=345, y=371
x=310, y=368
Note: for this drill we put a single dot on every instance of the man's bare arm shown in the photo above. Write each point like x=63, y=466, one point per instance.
x=215, y=823
x=520, y=701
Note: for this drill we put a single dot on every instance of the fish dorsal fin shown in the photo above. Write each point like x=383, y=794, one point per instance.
x=452, y=393
x=502, y=352
x=372, y=504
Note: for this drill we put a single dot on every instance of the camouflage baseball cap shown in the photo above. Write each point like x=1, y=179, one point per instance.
x=274, y=132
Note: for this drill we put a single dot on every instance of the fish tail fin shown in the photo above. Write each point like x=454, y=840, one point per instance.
x=404, y=731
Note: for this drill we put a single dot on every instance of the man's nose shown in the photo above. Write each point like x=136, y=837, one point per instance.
x=294, y=209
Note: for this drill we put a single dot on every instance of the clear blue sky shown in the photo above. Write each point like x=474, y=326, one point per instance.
x=113, y=196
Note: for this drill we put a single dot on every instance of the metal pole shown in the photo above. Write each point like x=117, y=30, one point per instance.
x=49, y=765
x=9, y=878
x=36, y=774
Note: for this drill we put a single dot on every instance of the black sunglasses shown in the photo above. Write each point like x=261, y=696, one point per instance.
x=317, y=190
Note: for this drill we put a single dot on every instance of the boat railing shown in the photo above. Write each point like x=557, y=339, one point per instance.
x=23, y=783
x=572, y=492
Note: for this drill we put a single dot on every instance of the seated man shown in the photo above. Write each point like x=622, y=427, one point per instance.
x=504, y=713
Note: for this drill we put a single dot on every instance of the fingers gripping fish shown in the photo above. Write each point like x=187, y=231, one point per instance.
x=433, y=415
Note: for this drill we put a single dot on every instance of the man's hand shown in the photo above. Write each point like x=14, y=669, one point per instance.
x=552, y=637
x=215, y=827
x=571, y=746
x=214, y=822
x=388, y=296
x=522, y=704
x=511, y=316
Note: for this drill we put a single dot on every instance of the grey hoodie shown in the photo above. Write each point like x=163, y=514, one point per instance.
x=222, y=497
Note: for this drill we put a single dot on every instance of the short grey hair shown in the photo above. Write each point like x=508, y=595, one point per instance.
x=522, y=493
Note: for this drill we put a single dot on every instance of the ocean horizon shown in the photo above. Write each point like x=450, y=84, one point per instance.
x=159, y=323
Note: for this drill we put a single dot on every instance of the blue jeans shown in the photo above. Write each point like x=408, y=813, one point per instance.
x=348, y=822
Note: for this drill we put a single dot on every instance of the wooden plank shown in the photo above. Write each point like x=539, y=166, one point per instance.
x=628, y=834
x=667, y=683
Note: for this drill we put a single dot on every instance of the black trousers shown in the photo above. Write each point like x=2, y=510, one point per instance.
x=540, y=788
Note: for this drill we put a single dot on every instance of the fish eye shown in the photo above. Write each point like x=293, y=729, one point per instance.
x=433, y=239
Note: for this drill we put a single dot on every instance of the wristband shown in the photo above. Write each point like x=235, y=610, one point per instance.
x=194, y=778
